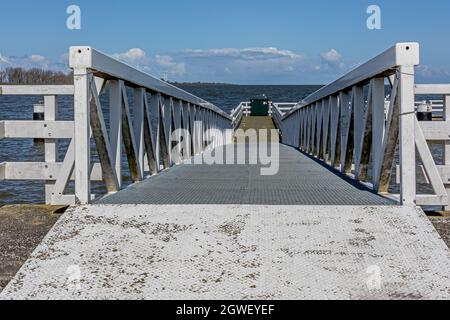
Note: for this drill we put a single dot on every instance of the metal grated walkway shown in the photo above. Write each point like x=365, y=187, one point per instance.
x=300, y=181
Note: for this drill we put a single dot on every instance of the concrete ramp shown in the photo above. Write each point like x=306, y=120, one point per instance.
x=237, y=252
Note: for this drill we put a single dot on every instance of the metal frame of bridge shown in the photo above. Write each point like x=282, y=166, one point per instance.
x=229, y=250
x=343, y=124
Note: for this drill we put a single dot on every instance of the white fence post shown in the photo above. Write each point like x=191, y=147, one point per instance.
x=51, y=144
x=407, y=136
x=82, y=136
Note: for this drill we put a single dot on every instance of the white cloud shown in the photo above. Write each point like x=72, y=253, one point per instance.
x=245, y=53
x=332, y=60
x=242, y=64
x=136, y=57
x=331, y=56
x=156, y=65
x=133, y=54
x=170, y=66
x=233, y=65
x=4, y=60
x=36, y=58
x=28, y=62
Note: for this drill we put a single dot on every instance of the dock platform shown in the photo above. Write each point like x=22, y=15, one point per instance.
x=188, y=229
x=226, y=232
x=237, y=252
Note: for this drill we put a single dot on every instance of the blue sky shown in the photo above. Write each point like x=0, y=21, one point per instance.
x=246, y=41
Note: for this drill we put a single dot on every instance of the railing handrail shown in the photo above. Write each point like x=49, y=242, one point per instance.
x=183, y=119
x=36, y=90
x=245, y=106
x=337, y=125
x=92, y=70
x=85, y=57
x=239, y=108
x=283, y=107
x=402, y=54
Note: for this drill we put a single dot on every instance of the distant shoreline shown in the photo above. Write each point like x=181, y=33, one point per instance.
x=49, y=77
x=237, y=85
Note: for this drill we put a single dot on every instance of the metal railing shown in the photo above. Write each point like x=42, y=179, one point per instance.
x=244, y=110
x=337, y=126
x=279, y=110
x=130, y=126
x=284, y=107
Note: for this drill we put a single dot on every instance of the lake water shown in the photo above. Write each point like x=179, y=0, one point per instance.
x=226, y=97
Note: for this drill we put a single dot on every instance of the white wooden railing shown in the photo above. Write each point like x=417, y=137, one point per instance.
x=337, y=125
x=129, y=125
x=50, y=130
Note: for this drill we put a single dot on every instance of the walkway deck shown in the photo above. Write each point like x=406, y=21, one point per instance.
x=257, y=123
x=228, y=232
x=300, y=181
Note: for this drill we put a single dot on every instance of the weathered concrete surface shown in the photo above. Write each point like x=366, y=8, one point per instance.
x=237, y=252
x=22, y=228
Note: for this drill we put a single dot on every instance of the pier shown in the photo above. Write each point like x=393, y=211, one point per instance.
x=325, y=225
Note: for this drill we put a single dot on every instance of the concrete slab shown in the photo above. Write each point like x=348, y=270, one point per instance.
x=237, y=252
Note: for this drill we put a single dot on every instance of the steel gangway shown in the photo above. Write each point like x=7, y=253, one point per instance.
x=326, y=223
